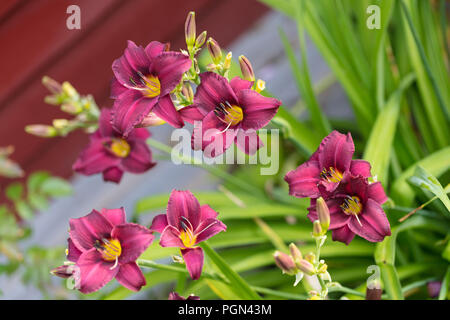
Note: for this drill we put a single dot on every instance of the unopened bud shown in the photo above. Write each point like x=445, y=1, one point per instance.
x=60, y=123
x=41, y=130
x=311, y=257
x=227, y=61
x=306, y=267
x=71, y=108
x=187, y=91
x=373, y=293
x=295, y=252
x=189, y=29
x=211, y=67
x=323, y=268
x=246, y=68
x=64, y=271
x=200, y=41
x=214, y=50
x=69, y=90
x=323, y=212
x=260, y=85
x=317, y=229
x=285, y=263
x=52, y=85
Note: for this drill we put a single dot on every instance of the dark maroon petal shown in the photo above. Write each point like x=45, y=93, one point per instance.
x=137, y=58
x=238, y=84
x=360, y=168
x=353, y=186
x=154, y=48
x=130, y=276
x=115, y=216
x=94, y=271
x=86, y=230
x=113, y=174
x=208, y=228
x=193, y=257
x=303, y=180
x=374, y=223
x=73, y=253
x=116, y=88
x=139, y=134
x=376, y=192
x=183, y=204
x=169, y=68
x=104, y=124
x=343, y=234
x=212, y=91
x=248, y=141
x=170, y=237
x=129, y=110
x=337, y=152
x=337, y=217
x=258, y=110
x=159, y=223
x=191, y=114
x=326, y=188
x=133, y=238
x=206, y=212
x=126, y=73
x=95, y=159
x=166, y=110
x=140, y=158
x=175, y=296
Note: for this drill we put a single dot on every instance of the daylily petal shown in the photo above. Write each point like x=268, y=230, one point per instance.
x=136, y=57
x=140, y=158
x=165, y=109
x=125, y=74
x=130, y=276
x=376, y=192
x=337, y=217
x=360, y=167
x=183, y=204
x=343, y=234
x=206, y=212
x=159, y=223
x=248, y=141
x=115, y=216
x=116, y=88
x=113, y=174
x=258, y=110
x=94, y=271
x=191, y=114
x=86, y=230
x=170, y=237
x=104, y=123
x=208, y=228
x=213, y=90
x=73, y=253
x=337, y=152
x=303, y=180
x=154, y=49
x=193, y=257
x=133, y=238
x=129, y=110
x=374, y=223
x=238, y=84
x=169, y=68
x=95, y=158
x=139, y=134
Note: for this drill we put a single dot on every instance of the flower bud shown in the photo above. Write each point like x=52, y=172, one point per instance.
x=324, y=213
x=295, y=252
x=187, y=91
x=211, y=67
x=60, y=123
x=52, y=85
x=189, y=29
x=214, y=50
x=41, y=130
x=227, y=61
x=69, y=90
x=200, y=41
x=311, y=257
x=64, y=271
x=373, y=293
x=260, y=85
x=71, y=108
x=306, y=267
x=246, y=68
x=317, y=229
x=285, y=263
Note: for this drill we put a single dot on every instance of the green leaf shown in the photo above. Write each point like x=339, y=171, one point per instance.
x=426, y=181
x=14, y=191
x=36, y=179
x=238, y=284
x=445, y=285
x=56, y=187
x=24, y=210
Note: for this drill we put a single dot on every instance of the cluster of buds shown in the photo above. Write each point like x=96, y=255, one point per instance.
x=294, y=264
x=83, y=108
x=220, y=65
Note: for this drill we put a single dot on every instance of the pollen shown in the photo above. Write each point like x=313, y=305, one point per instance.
x=352, y=206
x=331, y=175
x=120, y=148
x=110, y=249
x=187, y=235
x=229, y=114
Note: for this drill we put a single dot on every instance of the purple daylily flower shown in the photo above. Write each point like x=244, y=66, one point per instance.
x=355, y=208
x=111, y=154
x=142, y=84
x=232, y=110
x=326, y=167
x=185, y=224
x=176, y=296
x=103, y=246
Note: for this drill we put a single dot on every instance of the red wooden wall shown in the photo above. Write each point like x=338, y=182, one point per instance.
x=35, y=42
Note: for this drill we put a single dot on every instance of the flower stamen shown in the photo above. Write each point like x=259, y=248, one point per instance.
x=352, y=206
x=331, y=175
